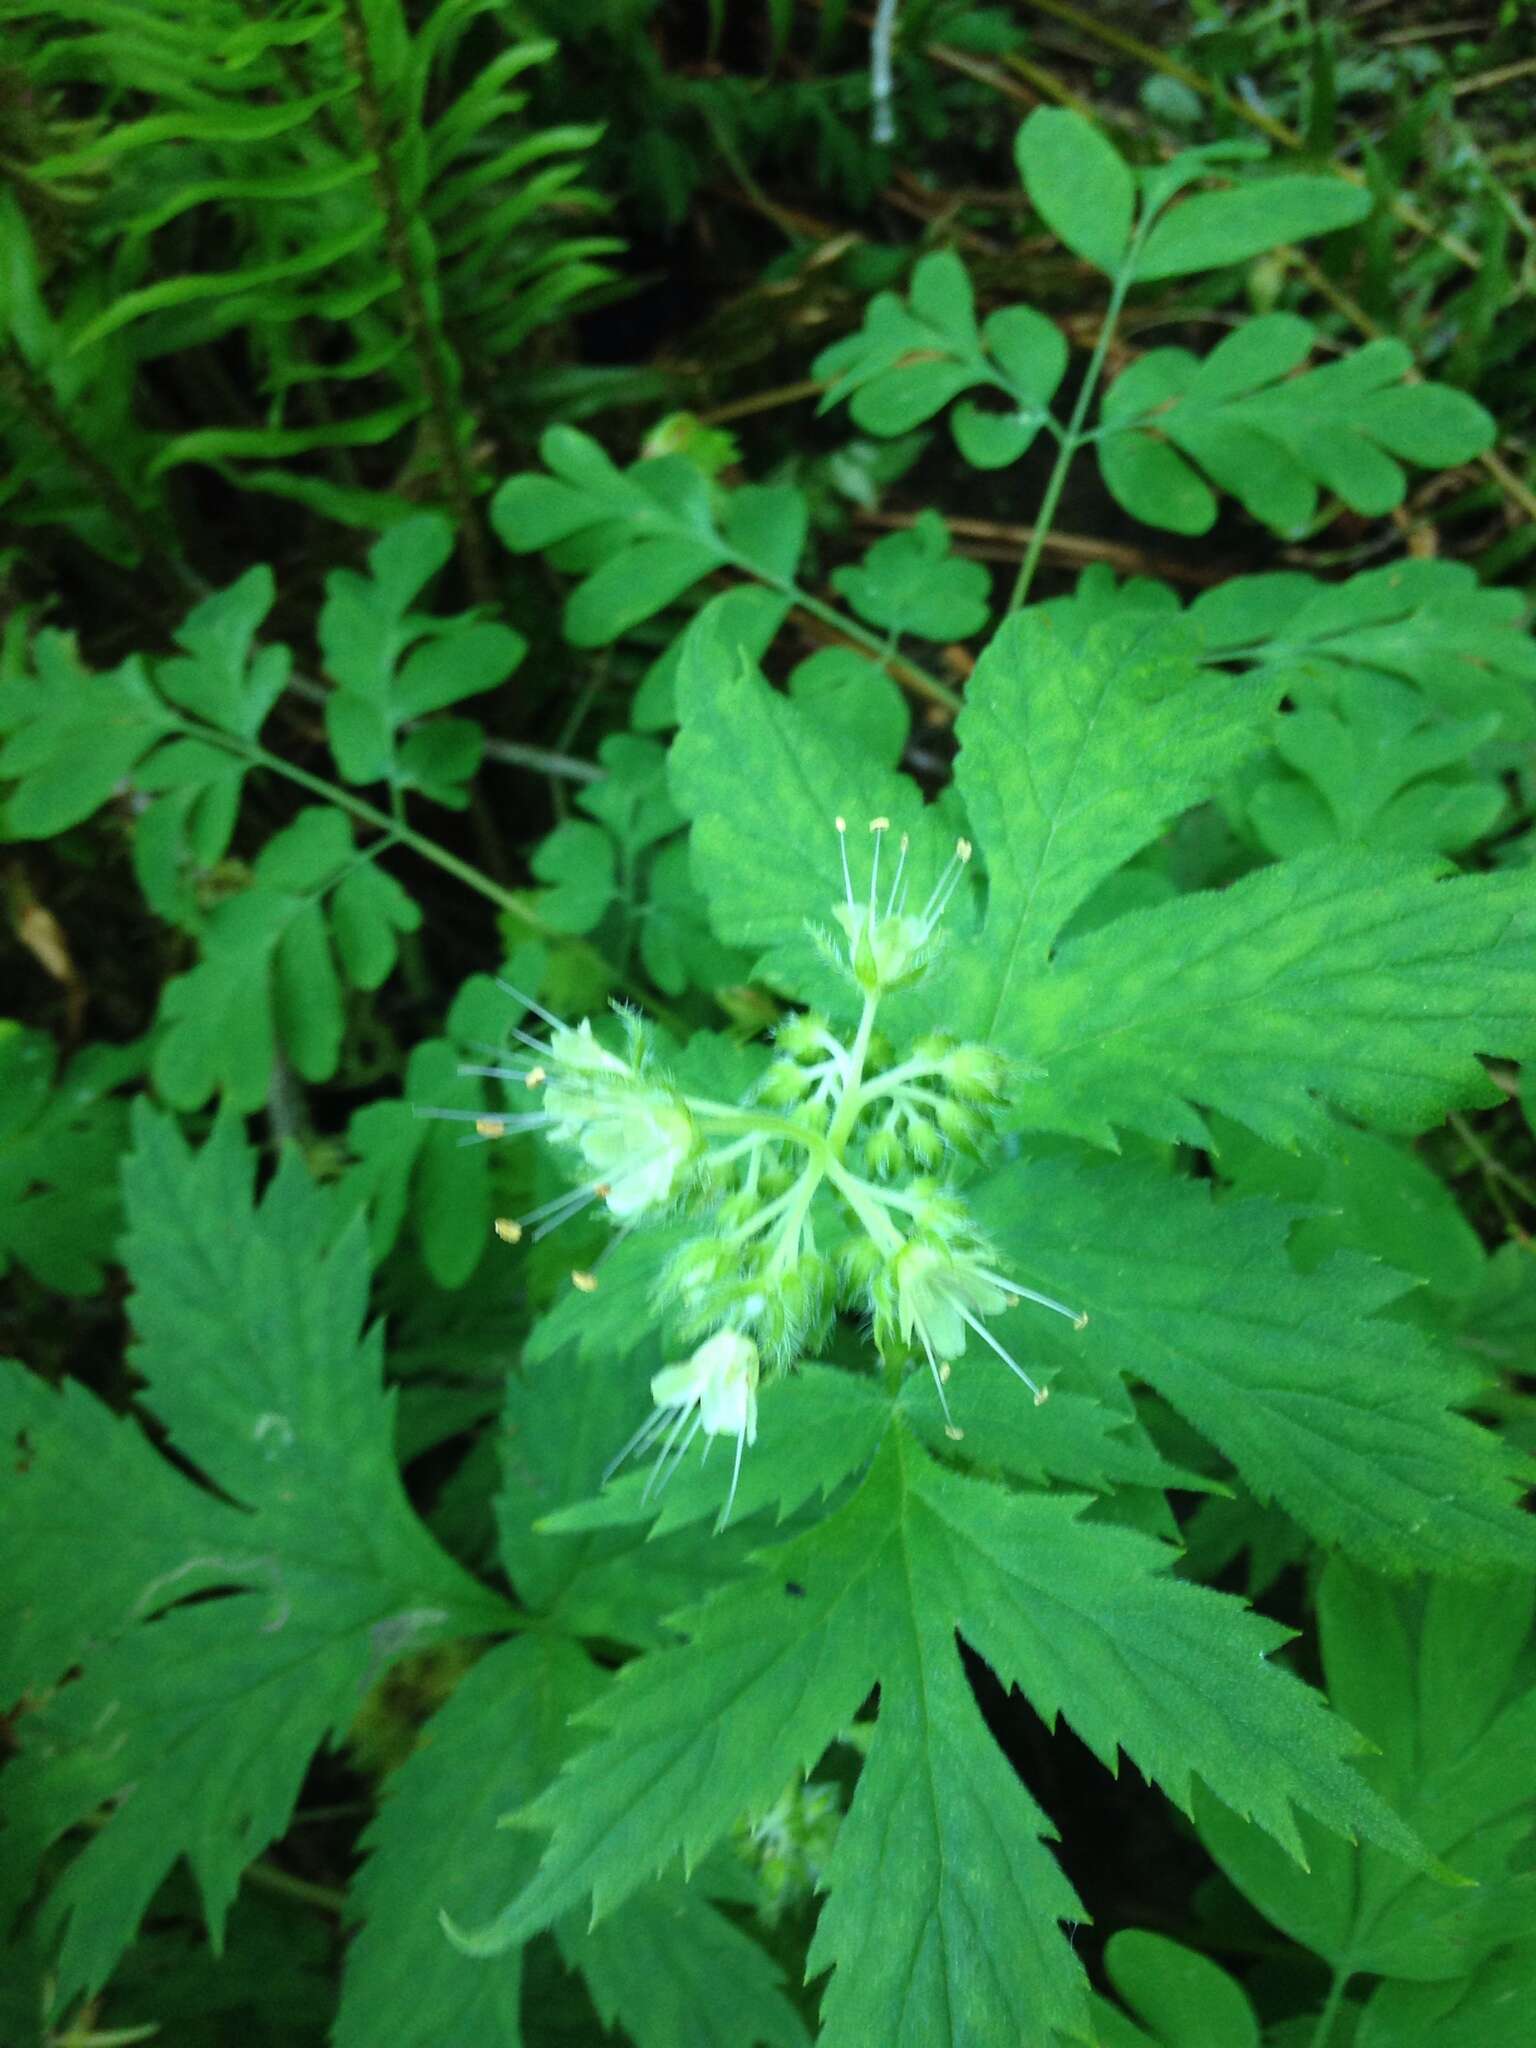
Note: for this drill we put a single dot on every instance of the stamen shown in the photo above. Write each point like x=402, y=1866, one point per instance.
x=730, y=1499
x=1040, y=1393
x=901, y=862
x=842, y=847
x=666, y=1478
x=538, y=1120
x=553, y=1216
x=940, y=1375
x=665, y=1452
x=1077, y=1318
x=528, y=1003
x=948, y=882
x=643, y=1436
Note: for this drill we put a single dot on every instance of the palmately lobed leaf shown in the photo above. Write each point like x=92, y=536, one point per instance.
x=1370, y=985
x=956, y=1938
x=199, y=1721
x=1344, y=1417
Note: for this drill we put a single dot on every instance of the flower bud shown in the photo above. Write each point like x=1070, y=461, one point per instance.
x=884, y=1153
x=923, y=1141
x=784, y=1083
x=963, y=1125
x=975, y=1073
x=802, y=1036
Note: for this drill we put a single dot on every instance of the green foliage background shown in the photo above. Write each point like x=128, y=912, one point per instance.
x=484, y=487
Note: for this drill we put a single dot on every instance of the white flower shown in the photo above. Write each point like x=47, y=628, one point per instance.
x=943, y=1291
x=715, y=1390
x=890, y=947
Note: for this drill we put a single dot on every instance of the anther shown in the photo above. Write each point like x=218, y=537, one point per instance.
x=584, y=1283
x=535, y=1077
x=490, y=1127
x=1042, y=1396
x=508, y=1231
x=1080, y=1322
x=953, y=1433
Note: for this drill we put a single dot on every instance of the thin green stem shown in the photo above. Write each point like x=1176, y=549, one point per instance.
x=849, y=1105
x=1073, y=438
x=368, y=814
x=1322, y=2033
x=917, y=679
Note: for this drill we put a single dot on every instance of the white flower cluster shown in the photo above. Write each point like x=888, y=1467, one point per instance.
x=823, y=1191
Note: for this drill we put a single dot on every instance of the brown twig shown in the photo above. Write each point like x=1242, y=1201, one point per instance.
x=998, y=541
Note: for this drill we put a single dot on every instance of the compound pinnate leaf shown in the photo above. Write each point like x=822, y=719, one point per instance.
x=222, y=677
x=250, y=1321
x=910, y=583
x=1430, y=623
x=1212, y=229
x=268, y=980
x=393, y=665
x=658, y=512
x=959, y=1941
x=1369, y=984
x=576, y=865
x=71, y=737
x=1272, y=438
x=909, y=360
x=1340, y=1415
x=1078, y=183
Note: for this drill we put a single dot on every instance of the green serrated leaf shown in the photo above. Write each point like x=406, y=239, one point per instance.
x=253, y=1357
x=1437, y=1680
x=1368, y=984
x=1338, y=1414
x=1079, y=743
x=955, y=1941
x=436, y=1847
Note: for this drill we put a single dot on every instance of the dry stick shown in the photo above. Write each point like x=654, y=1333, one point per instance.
x=398, y=240
x=1486, y=80
x=1008, y=542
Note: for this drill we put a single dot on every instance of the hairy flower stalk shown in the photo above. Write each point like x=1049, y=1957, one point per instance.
x=822, y=1191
